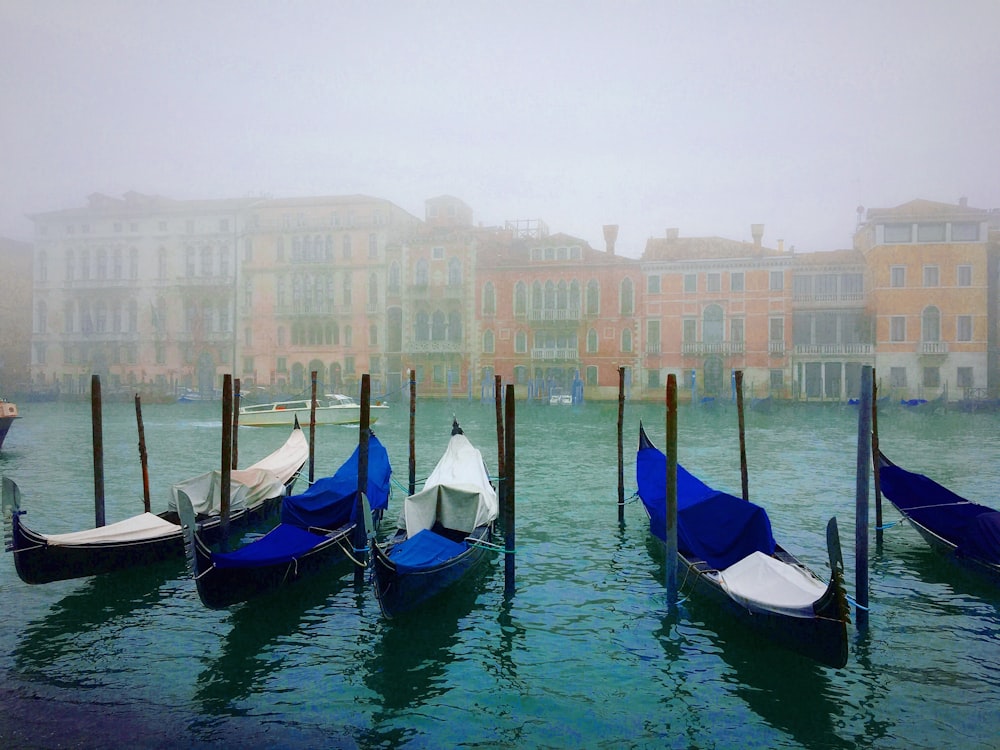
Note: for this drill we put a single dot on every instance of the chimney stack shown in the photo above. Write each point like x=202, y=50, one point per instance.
x=757, y=231
x=781, y=246
x=610, y=236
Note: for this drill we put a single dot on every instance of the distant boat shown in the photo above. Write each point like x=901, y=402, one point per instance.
x=8, y=413
x=191, y=396
x=557, y=396
x=334, y=408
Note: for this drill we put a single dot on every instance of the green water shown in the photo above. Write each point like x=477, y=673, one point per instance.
x=583, y=655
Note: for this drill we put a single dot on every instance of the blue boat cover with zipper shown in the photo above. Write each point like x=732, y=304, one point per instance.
x=712, y=526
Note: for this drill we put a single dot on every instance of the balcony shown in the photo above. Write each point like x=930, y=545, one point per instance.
x=776, y=348
x=570, y=315
x=556, y=355
x=436, y=291
x=706, y=348
x=932, y=348
x=436, y=347
x=833, y=350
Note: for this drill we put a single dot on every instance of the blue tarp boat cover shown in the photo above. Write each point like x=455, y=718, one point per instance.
x=330, y=502
x=712, y=526
x=424, y=550
x=974, y=529
x=282, y=543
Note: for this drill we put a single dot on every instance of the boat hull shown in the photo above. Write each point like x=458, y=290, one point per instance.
x=398, y=593
x=822, y=637
x=37, y=561
x=219, y=588
x=5, y=423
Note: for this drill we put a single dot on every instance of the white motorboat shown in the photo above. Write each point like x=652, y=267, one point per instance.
x=333, y=408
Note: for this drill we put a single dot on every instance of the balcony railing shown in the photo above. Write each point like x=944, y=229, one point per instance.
x=834, y=350
x=436, y=347
x=555, y=355
x=550, y=316
x=932, y=347
x=704, y=348
x=776, y=348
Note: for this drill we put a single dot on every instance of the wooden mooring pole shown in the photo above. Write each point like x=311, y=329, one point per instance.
x=670, y=537
x=225, y=487
x=98, y=442
x=359, y=536
x=861, y=498
x=413, y=430
x=143, y=460
x=738, y=377
x=876, y=475
x=509, y=463
x=312, y=429
x=498, y=403
x=621, y=454
x=236, y=424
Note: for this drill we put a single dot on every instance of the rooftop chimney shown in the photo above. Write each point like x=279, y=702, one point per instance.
x=610, y=235
x=757, y=232
x=781, y=246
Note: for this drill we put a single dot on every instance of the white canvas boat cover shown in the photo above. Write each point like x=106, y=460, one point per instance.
x=247, y=487
x=458, y=493
x=288, y=459
x=137, y=528
x=762, y=582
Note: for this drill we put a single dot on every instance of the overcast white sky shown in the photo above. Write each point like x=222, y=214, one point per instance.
x=706, y=116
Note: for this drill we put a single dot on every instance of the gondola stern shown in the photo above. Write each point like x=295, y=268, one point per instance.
x=11, y=510
x=832, y=605
x=189, y=528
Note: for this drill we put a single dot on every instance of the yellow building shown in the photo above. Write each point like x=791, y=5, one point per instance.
x=930, y=268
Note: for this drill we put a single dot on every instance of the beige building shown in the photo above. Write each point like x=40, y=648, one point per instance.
x=16, y=315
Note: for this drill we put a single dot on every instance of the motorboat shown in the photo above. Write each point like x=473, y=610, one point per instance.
x=333, y=408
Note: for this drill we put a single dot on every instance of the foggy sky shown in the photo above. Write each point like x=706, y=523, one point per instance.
x=706, y=116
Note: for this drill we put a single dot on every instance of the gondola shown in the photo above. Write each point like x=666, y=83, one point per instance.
x=969, y=533
x=727, y=553
x=444, y=531
x=314, y=533
x=255, y=492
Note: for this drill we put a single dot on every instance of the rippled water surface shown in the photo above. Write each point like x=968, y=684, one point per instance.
x=583, y=654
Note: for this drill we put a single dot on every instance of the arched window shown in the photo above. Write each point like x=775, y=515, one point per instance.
x=574, y=297
x=373, y=291
x=488, y=341
x=348, y=336
x=422, y=274
x=489, y=299
x=43, y=266
x=520, y=342
x=712, y=325
x=592, y=341
x=454, y=272
x=627, y=298
x=422, y=330
x=133, y=263
x=347, y=246
x=394, y=277
x=593, y=298
x=627, y=340
x=562, y=296
x=550, y=296
x=347, y=289
x=536, y=296
x=373, y=335
x=520, y=299
x=930, y=324
x=41, y=317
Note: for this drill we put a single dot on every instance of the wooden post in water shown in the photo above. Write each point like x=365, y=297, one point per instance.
x=509, y=503
x=743, y=440
x=621, y=455
x=227, y=455
x=875, y=464
x=498, y=403
x=861, y=497
x=236, y=424
x=98, y=441
x=413, y=430
x=670, y=538
x=143, y=461
x=359, y=538
x=312, y=429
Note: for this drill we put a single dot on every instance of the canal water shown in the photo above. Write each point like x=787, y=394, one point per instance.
x=583, y=654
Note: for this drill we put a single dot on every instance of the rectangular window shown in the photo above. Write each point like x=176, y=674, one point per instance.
x=932, y=377
x=282, y=365
x=777, y=330
x=690, y=330
x=963, y=325
x=714, y=282
x=248, y=336
x=653, y=337
x=963, y=275
x=931, y=276
x=898, y=233
x=736, y=330
x=372, y=245
x=897, y=276
x=777, y=281
x=349, y=365
x=897, y=377
x=690, y=282
x=930, y=232
x=777, y=379
x=437, y=253
x=965, y=231
x=802, y=287
x=897, y=328
x=736, y=281
x=653, y=284
x=965, y=377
